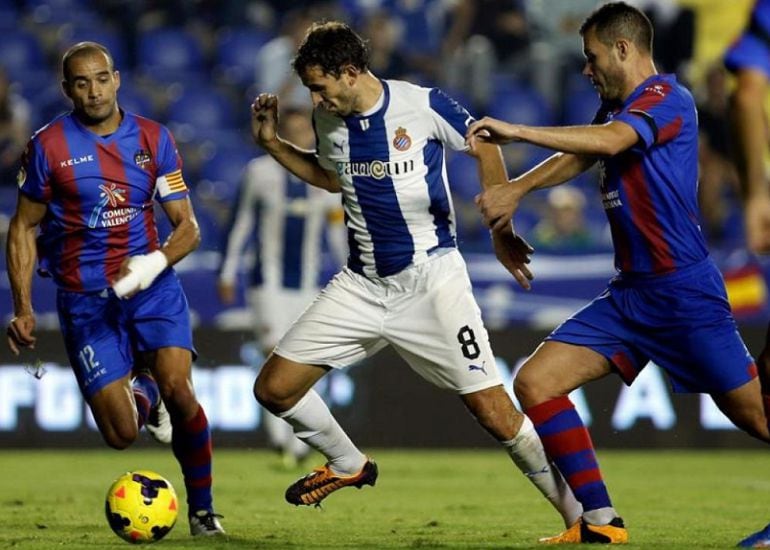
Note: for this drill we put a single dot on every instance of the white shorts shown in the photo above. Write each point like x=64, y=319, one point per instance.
x=426, y=312
x=275, y=309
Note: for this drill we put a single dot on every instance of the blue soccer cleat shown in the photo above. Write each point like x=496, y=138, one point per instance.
x=760, y=539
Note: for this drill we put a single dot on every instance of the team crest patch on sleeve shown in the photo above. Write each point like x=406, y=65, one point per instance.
x=21, y=177
x=142, y=158
x=402, y=141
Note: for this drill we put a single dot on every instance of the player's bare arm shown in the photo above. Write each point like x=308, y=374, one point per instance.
x=138, y=272
x=511, y=249
x=301, y=163
x=598, y=140
x=751, y=138
x=499, y=203
x=21, y=254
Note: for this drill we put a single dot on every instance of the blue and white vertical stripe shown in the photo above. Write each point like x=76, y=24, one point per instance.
x=391, y=166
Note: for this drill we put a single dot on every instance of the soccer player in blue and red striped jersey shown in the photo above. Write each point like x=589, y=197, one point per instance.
x=748, y=58
x=668, y=302
x=87, y=182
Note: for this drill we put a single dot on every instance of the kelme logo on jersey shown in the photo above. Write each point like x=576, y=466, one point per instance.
x=376, y=169
x=402, y=141
x=142, y=158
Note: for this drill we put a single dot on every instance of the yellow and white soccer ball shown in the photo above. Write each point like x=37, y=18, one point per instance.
x=141, y=506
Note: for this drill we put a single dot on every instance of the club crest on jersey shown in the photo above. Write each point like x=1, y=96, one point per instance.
x=402, y=141
x=142, y=158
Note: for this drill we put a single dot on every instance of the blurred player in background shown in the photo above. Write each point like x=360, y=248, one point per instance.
x=668, y=302
x=381, y=144
x=87, y=180
x=290, y=219
x=749, y=59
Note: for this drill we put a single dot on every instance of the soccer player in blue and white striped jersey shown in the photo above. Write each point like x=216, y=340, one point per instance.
x=381, y=144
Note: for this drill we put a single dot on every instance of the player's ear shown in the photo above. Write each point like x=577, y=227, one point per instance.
x=350, y=73
x=65, y=88
x=116, y=76
x=622, y=48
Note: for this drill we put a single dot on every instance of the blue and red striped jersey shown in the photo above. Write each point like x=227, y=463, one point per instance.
x=649, y=192
x=99, y=192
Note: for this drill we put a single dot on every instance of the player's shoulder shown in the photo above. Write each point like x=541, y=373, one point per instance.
x=666, y=86
x=144, y=123
x=54, y=127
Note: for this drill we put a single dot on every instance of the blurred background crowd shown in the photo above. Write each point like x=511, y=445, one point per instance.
x=195, y=65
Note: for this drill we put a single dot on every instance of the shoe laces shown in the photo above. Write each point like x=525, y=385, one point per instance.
x=319, y=476
x=208, y=519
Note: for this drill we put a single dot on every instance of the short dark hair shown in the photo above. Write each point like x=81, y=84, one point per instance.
x=619, y=20
x=83, y=48
x=331, y=45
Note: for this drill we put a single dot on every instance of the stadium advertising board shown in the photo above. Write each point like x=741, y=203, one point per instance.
x=380, y=402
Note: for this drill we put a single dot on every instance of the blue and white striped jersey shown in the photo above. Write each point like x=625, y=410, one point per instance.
x=290, y=219
x=390, y=163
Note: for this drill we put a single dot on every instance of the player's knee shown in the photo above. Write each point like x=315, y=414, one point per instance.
x=526, y=387
x=756, y=426
x=267, y=392
x=120, y=436
x=179, y=397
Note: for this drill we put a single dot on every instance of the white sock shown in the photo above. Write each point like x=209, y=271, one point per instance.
x=526, y=451
x=600, y=516
x=314, y=424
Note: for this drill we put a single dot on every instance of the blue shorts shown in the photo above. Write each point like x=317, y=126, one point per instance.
x=102, y=332
x=681, y=322
x=748, y=52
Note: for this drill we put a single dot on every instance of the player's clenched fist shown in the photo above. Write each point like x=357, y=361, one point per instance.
x=264, y=118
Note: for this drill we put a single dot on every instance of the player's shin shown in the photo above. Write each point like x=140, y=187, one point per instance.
x=526, y=451
x=146, y=396
x=314, y=424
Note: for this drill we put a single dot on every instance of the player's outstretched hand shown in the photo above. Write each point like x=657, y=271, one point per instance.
x=758, y=223
x=21, y=333
x=514, y=253
x=264, y=119
x=491, y=130
x=497, y=205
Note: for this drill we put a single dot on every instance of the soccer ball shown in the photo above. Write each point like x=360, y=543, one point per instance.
x=141, y=506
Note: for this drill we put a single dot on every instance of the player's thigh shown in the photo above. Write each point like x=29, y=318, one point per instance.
x=438, y=330
x=555, y=369
x=114, y=411
x=97, y=345
x=342, y=326
x=744, y=407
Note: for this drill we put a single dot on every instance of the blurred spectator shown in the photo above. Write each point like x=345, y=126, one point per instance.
x=385, y=60
x=718, y=193
x=288, y=219
x=14, y=129
x=674, y=37
x=564, y=228
x=485, y=37
x=274, y=70
x=556, y=49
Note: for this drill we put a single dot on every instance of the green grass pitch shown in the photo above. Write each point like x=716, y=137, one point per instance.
x=423, y=499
